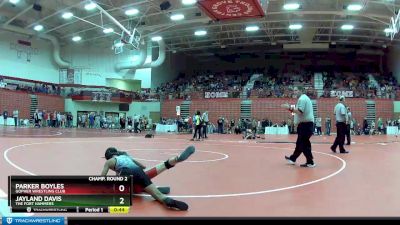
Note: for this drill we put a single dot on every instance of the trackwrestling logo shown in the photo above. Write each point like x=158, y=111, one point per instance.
x=33, y=220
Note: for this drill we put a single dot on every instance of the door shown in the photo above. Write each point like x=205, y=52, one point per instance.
x=155, y=117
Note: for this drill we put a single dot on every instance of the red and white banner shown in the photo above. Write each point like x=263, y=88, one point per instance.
x=231, y=9
x=213, y=94
x=347, y=94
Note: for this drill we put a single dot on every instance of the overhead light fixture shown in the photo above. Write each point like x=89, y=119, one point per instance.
x=176, y=17
x=67, y=15
x=156, y=38
x=295, y=26
x=90, y=6
x=200, y=33
x=347, y=27
x=189, y=2
x=108, y=30
x=76, y=38
x=131, y=12
x=38, y=27
x=291, y=6
x=14, y=1
x=119, y=45
x=252, y=28
x=354, y=7
x=388, y=30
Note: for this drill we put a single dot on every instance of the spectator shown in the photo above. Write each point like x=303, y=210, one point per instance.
x=15, y=115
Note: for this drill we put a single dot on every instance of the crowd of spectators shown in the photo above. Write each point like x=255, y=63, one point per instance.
x=68, y=91
x=183, y=87
x=270, y=85
x=273, y=85
x=369, y=86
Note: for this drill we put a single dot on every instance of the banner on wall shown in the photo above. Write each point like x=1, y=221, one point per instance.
x=101, y=96
x=70, y=76
x=347, y=94
x=214, y=94
x=11, y=87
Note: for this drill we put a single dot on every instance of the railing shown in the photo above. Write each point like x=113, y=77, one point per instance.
x=77, y=92
x=286, y=93
x=123, y=97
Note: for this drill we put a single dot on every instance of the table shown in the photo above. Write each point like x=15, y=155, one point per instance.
x=10, y=121
x=392, y=130
x=160, y=128
x=277, y=130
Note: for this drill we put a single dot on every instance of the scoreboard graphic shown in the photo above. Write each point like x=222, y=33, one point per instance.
x=75, y=194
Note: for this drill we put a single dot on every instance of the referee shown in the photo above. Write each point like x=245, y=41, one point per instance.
x=341, y=121
x=304, y=117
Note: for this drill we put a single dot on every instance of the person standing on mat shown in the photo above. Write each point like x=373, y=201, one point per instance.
x=348, y=126
x=205, y=124
x=341, y=121
x=328, y=125
x=15, y=115
x=197, y=122
x=304, y=117
x=124, y=165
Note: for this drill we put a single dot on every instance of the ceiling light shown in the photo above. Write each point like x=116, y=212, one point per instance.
x=90, y=6
x=388, y=30
x=38, y=27
x=200, y=33
x=347, y=27
x=119, y=45
x=189, y=2
x=291, y=6
x=156, y=38
x=76, y=38
x=295, y=26
x=14, y=1
x=67, y=15
x=108, y=30
x=176, y=17
x=252, y=28
x=354, y=7
x=131, y=12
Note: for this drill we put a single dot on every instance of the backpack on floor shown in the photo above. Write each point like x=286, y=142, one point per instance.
x=149, y=135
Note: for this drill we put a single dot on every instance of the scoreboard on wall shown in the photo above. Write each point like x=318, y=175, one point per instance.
x=76, y=194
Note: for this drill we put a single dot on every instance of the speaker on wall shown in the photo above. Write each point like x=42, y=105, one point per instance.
x=165, y=5
x=123, y=107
